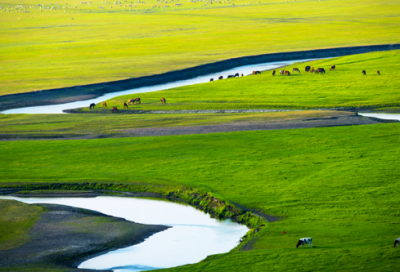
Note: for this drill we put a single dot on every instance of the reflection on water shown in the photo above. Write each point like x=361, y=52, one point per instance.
x=193, y=236
x=386, y=116
x=245, y=70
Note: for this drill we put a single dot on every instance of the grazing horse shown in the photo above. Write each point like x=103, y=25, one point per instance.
x=104, y=104
x=237, y=75
x=295, y=69
x=396, y=242
x=308, y=68
x=230, y=76
x=220, y=77
x=242, y=74
x=320, y=70
x=211, y=79
x=133, y=100
x=364, y=73
x=125, y=105
x=273, y=72
x=114, y=109
x=163, y=101
x=379, y=73
x=256, y=73
x=305, y=241
x=333, y=67
x=281, y=72
x=312, y=70
x=92, y=106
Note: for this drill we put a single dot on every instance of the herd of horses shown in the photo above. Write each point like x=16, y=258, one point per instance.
x=125, y=105
x=308, y=69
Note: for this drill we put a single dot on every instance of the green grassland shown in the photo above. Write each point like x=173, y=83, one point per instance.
x=338, y=185
x=102, y=125
x=58, y=45
x=345, y=87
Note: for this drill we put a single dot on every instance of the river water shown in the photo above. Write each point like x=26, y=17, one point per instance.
x=245, y=70
x=386, y=116
x=194, y=235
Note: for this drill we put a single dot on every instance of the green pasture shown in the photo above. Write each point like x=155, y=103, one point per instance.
x=102, y=125
x=345, y=87
x=338, y=185
x=57, y=45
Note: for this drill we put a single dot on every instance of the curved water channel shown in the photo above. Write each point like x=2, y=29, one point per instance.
x=194, y=235
x=245, y=70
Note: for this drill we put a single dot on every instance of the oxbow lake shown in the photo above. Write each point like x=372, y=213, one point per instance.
x=194, y=235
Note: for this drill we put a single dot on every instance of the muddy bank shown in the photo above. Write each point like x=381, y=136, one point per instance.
x=83, y=92
x=65, y=236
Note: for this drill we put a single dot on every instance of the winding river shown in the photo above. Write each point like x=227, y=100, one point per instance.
x=245, y=70
x=194, y=235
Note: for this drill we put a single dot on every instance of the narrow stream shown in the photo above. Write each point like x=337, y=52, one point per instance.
x=245, y=70
x=194, y=235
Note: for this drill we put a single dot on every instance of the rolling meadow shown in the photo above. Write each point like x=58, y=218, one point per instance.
x=338, y=185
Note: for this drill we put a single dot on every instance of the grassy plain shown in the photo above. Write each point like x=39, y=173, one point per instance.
x=58, y=45
x=345, y=87
x=337, y=185
x=102, y=125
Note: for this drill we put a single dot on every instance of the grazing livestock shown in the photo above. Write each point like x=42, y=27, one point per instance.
x=304, y=241
x=133, y=100
x=281, y=72
x=237, y=75
x=114, y=109
x=320, y=71
x=220, y=77
x=333, y=67
x=379, y=73
x=104, y=104
x=230, y=76
x=125, y=105
x=295, y=69
x=364, y=73
x=211, y=79
x=396, y=242
x=273, y=72
x=312, y=70
x=163, y=101
x=256, y=73
x=92, y=106
x=308, y=68
x=286, y=73
x=242, y=74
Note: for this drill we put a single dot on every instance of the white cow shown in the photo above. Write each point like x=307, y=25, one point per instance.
x=304, y=241
x=396, y=242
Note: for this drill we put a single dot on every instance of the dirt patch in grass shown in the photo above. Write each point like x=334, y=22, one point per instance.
x=65, y=236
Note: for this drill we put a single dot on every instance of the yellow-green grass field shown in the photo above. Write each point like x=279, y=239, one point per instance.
x=345, y=87
x=57, y=45
x=338, y=185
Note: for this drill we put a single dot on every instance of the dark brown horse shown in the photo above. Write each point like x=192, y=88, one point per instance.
x=295, y=70
x=237, y=75
x=273, y=72
x=230, y=76
x=114, y=109
x=364, y=73
x=333, y=67
x=134, y=100
x=125, y=105
x=211, y=79
x=163, y=101
x=320, y=71
x=92, y=106
x=241, y=74
x=256, y=73
x=104, y=104
x=308, y=68
x=379, y=73
x=286, y=73
x=220, y=77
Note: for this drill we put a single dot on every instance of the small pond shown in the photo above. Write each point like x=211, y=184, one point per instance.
x=194, y=235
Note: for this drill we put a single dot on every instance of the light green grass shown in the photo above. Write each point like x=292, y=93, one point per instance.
x=80, y=125
x=345, y=87
x=44, y=50
x=338, y=185
x=16, y=219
